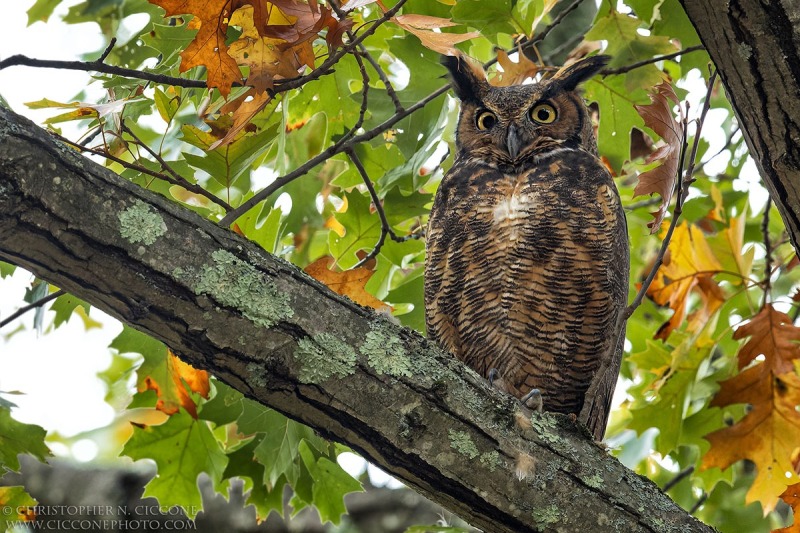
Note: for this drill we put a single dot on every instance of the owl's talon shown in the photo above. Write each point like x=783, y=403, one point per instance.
x=493, y=373
x=533, y=400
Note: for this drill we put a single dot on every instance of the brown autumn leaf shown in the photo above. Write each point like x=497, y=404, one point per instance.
x=514, y=72
x=208, y=47
x=243, y=110
x=769, y=434
x=423, y=25
x=658, y=116
x=173, y=388
x=689, y=266
x=349, y=283
x=792, y=497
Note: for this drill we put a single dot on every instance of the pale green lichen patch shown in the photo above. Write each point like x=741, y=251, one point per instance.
x=546, y=516
x=461, y=442
x=238, y=284
x=545, y=425
x=258, y=375
x=324, y=356
x=490, y=460
x=141, y=223
x=385, y=353
x=595, y=481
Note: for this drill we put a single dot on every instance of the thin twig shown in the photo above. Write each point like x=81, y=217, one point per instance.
x=726, y=146
x=38, y=303
x=699, y=503
x=281, y=85
x=144, y=170
x=178, y=179
x=104, y=68
x=386, y=228
x=767, y=283
x=526, y=43
x=645, y=62
x=398, y=107
x=331, y=151
x=644, y=203
x=107, y=51
x=390, y=91
x=680, y=476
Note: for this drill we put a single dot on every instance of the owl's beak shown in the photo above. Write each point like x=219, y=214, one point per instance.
x=513, y=143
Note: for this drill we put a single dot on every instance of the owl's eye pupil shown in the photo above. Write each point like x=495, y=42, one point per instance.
x=485, y=120
x=543, y=114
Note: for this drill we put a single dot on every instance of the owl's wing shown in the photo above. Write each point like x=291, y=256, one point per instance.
x=597, y=401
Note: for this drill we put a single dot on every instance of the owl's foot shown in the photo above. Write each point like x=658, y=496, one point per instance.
x=533, y=400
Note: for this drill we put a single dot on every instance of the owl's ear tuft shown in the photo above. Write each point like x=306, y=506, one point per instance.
x=570, y=76
x=468, y=78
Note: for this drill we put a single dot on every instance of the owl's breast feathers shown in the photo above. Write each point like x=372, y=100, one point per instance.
x=527, y=273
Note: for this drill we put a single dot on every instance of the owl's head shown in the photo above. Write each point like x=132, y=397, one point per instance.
x=509, y=126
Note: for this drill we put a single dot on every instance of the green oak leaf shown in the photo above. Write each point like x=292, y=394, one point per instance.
x=331, y=483
x=182, y=449
x=16, y=438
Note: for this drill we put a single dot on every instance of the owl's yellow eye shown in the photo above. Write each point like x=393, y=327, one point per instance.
x=485, y=120
x=543, y=113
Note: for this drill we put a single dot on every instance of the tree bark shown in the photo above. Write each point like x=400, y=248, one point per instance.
x=755, y=44
x=264, y=327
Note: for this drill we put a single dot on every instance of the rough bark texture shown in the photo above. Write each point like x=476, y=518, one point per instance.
x=755, y=44
x=268, y=330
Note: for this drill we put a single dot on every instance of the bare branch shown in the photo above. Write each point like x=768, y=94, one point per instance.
x=180, y=181
x=38, y=303
x=386, y=228
x=656, y=59
x=331, y=151
x=104, y=68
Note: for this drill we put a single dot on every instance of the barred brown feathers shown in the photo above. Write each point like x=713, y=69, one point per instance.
x=527, y=265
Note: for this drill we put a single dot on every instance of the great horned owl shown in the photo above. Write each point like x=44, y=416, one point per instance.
x=527, y=267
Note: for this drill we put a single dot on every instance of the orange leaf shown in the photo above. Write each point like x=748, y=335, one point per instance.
x=513, y=73
x=208, y=47
x=658, y=117
x=689, y=266
x=792, y=496
x=174, y=391
x=244, y=109
x=349, y=283
x=769, y=433
x=423, y=25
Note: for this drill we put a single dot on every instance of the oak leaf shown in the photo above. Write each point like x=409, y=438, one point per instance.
x=174, y=386
x=208, y=47
x=689, y=266
x=267, y=58
x=423, y=27
x=769, y=434
x=513, y=73
x=350, y=283
x=658, y=116
x=792, y=497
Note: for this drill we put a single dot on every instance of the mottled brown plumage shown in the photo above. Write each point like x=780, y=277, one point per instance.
x=527, y=266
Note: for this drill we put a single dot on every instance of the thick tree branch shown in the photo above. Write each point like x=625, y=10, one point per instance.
x=264, y=327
